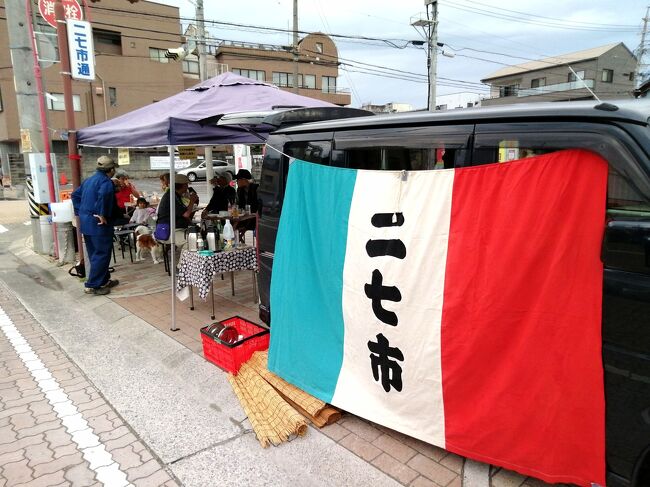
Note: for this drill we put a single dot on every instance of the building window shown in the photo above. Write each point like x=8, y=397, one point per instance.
x=1, y=107
x=510, y=90
x=158, y=55
x=55, y=102
x=255, y=74
x=107, y=42
x=537, y=82
x=309, y=81
x=607, y=76
x=112, y=96
x=329, y=84
x=572, y=77
x=319, y=47
x=190, y=66
x=282, y=79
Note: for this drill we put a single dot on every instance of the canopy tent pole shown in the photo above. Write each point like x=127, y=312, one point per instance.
x=172, y=234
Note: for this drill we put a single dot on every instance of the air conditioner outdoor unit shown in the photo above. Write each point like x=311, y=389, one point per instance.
x=99, y=91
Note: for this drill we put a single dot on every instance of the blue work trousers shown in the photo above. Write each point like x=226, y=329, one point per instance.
x=100, y=248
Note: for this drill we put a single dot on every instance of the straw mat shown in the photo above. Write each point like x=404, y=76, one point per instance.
x=274, y=407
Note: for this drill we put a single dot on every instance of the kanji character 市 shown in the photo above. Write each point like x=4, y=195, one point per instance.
x=382, y=364
x=82, y=55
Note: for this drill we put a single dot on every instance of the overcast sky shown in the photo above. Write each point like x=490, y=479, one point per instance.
x=466, y=27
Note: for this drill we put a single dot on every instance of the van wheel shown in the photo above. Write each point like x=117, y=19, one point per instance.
x=191, y=176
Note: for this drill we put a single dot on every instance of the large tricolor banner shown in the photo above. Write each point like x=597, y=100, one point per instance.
x=461, y=307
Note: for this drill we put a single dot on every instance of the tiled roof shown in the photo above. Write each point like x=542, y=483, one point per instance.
x=548, y=62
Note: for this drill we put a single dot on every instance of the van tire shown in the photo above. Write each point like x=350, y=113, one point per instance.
x=641, y=476
x=191, y=176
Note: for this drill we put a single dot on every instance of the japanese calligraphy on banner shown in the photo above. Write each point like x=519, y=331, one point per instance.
x=80, y=47
x=452, y=305
x=71, y=10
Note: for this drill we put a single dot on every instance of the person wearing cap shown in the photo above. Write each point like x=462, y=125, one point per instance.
x=94, y=203
x=183, y=212
x=246, y=191
x=222, y=195
x=124, y=189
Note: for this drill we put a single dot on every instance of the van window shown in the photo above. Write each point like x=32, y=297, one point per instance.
x=317, y=152
x=626, y=193
x=396, y=149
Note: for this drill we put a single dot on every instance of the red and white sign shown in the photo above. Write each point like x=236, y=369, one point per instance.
x=71, y=8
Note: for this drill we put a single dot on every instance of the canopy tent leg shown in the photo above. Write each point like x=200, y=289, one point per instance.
x=172, y=235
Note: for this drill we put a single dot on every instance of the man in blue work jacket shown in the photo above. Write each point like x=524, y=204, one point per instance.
x=94, y=202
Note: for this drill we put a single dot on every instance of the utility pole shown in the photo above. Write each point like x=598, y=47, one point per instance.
x=203, y=75
x=640, y=52
x=66, y=74
x=23, y=56
x=433, y=52
x=429, y=27
x=295, y=46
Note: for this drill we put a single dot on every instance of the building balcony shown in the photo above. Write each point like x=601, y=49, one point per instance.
x=544, y=90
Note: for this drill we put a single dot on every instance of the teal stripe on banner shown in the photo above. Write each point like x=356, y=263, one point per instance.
x=307, y=281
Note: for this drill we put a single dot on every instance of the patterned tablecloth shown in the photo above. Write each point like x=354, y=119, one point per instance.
x=198, y=270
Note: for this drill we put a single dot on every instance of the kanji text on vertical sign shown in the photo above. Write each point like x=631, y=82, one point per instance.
x=71, y=8
x=80, y=46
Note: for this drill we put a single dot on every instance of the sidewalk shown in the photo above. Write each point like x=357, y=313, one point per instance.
x=183, y=407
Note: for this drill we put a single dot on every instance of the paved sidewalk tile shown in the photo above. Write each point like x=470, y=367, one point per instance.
x=54, y=424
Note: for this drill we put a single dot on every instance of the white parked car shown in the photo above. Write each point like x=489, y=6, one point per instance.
x=197, y=171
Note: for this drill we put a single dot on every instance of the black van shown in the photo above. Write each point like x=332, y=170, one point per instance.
x=618, y=131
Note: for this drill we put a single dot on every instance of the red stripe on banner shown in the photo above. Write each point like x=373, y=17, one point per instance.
x=521, y=325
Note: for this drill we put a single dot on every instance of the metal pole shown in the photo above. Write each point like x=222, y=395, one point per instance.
x=43, y=117
x=295, y=46
x=641, y=51
x=66, y=75
x=203, y=74
x=172, y=235
x=22, y=60
x=433, y=53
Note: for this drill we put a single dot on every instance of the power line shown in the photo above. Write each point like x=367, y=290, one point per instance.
x=551, y=18
x=553, y=25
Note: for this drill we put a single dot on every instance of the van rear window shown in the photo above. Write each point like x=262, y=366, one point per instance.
x=624, y=194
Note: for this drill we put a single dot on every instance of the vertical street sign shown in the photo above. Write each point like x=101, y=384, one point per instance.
x=71, y=8
x=80, y=47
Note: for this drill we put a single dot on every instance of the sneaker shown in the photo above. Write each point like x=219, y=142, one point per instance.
x=97, y=291
x=111, y=283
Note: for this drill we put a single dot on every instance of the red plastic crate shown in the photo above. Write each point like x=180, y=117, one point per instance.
x=230, y=356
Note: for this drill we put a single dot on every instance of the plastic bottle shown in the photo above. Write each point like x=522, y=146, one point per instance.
x=228, y=235
x=200, y=244
x=192, y=237
x=211, y=237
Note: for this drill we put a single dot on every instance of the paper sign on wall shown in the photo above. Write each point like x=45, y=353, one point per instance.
x=123, y=157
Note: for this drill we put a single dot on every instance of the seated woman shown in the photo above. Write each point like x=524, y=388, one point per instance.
x=125, y=190
x=183, y=212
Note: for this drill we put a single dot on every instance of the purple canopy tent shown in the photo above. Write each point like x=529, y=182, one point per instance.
x=175, y=121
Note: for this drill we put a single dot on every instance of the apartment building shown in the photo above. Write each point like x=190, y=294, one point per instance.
x=317, y=58
x=132, y=71
x=608, y=71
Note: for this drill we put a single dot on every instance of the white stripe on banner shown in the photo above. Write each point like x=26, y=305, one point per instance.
x=425, y=203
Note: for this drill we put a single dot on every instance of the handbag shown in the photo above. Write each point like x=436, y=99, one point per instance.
x=162, y=232
x=78, y=270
